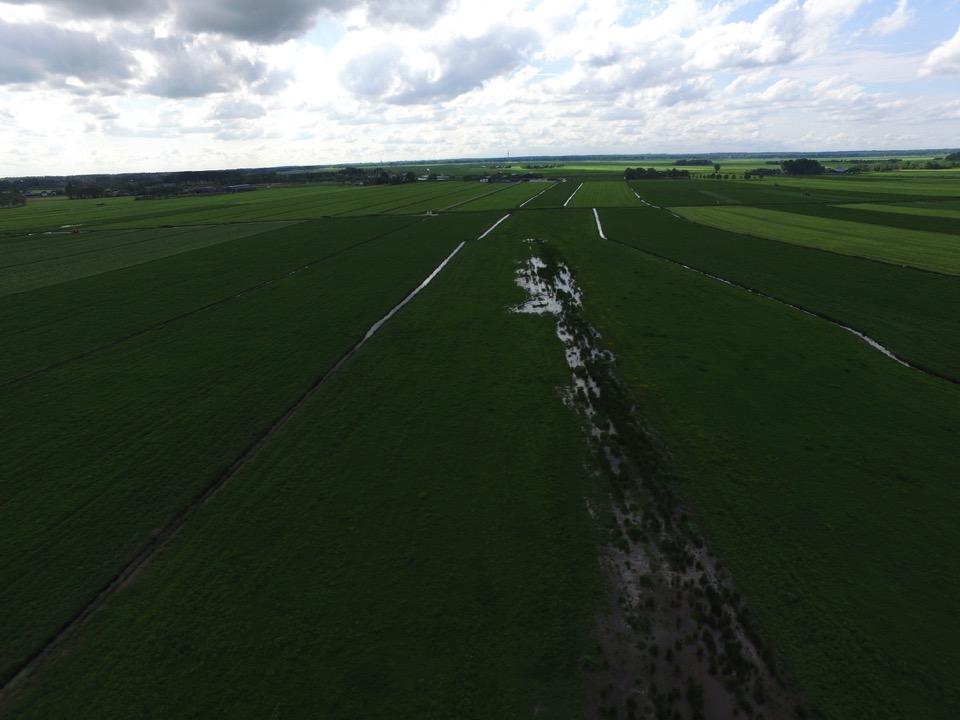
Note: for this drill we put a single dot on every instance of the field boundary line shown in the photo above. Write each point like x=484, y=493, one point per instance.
x=215, y=303
x=162, y=537
x=896, y=357
x=644, y=202
x=572, y=194
x=493, y=227
x=553, y=185
x=596, y=216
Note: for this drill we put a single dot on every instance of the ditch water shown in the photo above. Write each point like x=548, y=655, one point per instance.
x=674, y=636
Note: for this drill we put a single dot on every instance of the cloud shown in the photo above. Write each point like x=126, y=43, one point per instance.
x=238, y=109
x=783, y=33
x=100, y=8
x=97, y=108
x=257, y=21
x=199, y=67
x=422, y=13
x=897, y=20
x=445, y=72
x=254, y=20
x=40, y=52
x=944, y=59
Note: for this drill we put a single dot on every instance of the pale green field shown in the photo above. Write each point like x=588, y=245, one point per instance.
x=926, y=211
x=926, y=250
x=892, y=183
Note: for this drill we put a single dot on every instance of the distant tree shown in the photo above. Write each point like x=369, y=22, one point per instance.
x=716, y=168
x=12, y=199
x=802, y=166
x=654, y=174
x=953, y=157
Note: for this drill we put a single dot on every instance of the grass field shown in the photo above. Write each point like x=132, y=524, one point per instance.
x=555, y=197
x=943, y=212
x=505, y=198
x=223, y=496
x=907, y=310
x=458, y=584
x=774, y=419
x=295, y=203
x=604, y=193
x=120, y=454
x=40, y=260
x=772, y=191
x=926, y=250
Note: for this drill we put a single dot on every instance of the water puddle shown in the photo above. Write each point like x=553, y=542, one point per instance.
x=674, y=640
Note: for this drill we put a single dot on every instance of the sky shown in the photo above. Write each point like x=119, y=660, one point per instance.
x=138, y=85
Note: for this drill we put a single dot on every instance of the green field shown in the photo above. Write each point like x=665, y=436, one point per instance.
x=926, y=250
x=324, y=451
x=604, y=193
x=927, y=211
x=908, y=310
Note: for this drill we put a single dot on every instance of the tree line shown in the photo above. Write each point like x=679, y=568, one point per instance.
x=654, y=174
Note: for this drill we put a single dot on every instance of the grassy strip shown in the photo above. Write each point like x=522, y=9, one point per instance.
x=909, y=311
x=129, y=435
x=939, y=210
x=929, y=251
x=925, y=220
x=554, y=197
x=49, y=214
x=413, y=544
x=507, y=198
x=821, y=472
x=154, y=245
x=604, y=193
x=678, y=193
x=888, y=183
x=49, y=325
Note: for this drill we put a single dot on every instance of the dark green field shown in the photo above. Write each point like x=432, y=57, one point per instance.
x=224, y=497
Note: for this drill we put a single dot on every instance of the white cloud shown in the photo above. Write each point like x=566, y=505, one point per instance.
x=899, y=18
x=392, y=73
x=238, y=82
x=945, y=58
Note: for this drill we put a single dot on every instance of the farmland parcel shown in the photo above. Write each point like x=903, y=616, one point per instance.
x=230, y=490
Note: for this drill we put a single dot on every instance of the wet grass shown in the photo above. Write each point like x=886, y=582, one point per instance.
x=130, y=434
x=938, y=252
x=820, y=472
x=910, y=311
x=414, y=543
